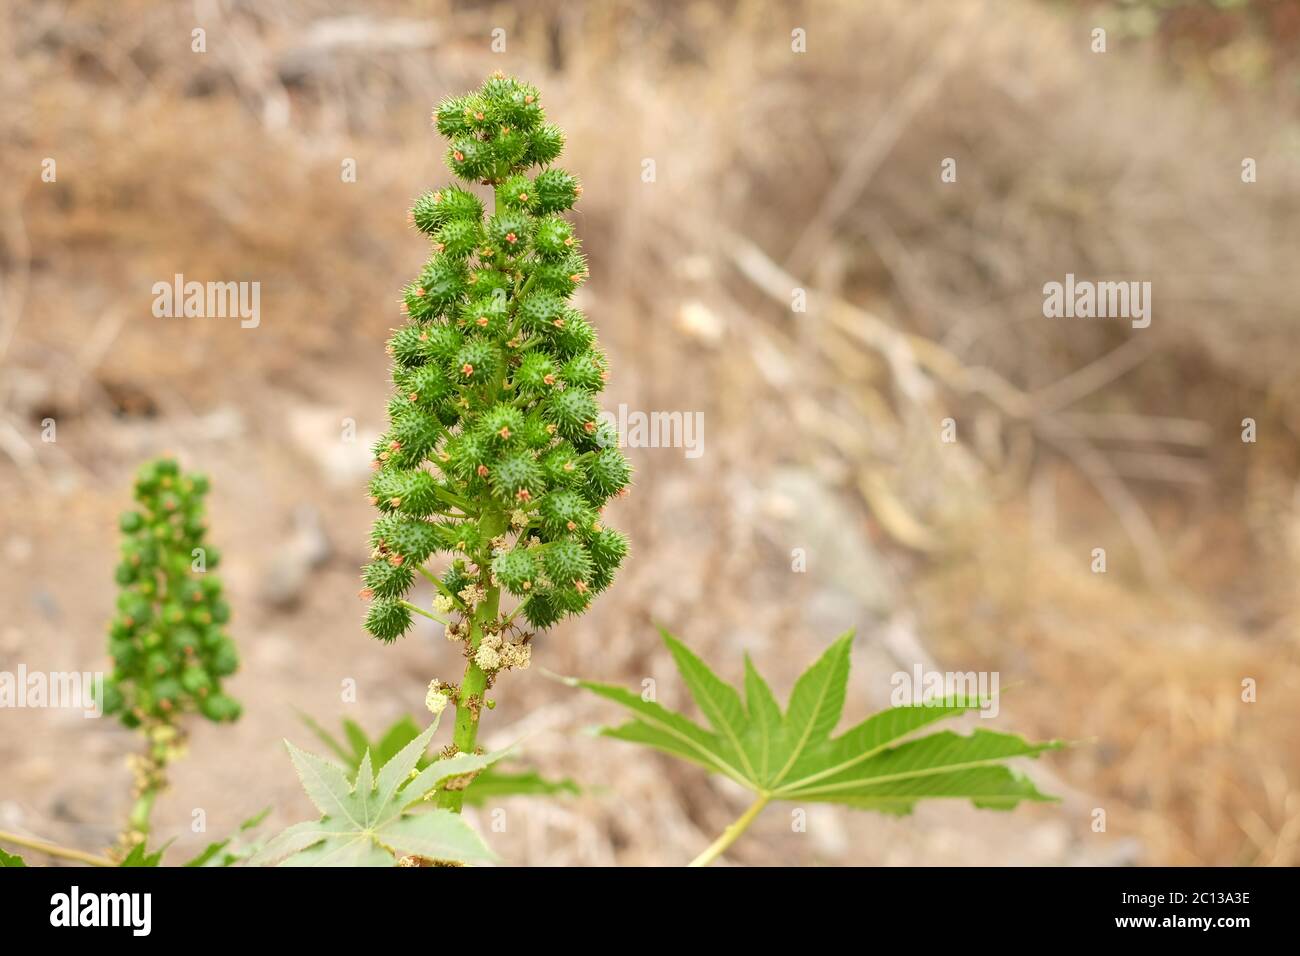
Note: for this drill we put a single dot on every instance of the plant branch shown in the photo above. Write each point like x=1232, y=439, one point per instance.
x=53, y=849
x=732, y=832
x=431, y=616
x=438, y=583
x=473, y=686
x=139, y=819
x=515, y=613
x=453, y=499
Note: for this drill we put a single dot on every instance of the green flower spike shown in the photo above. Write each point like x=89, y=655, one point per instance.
x=168, y=639
x=495, y=452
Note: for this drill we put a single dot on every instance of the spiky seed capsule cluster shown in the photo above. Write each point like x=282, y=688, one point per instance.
x=168, y=641
x=494, y=425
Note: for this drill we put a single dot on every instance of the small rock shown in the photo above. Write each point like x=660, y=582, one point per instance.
x=697, y=321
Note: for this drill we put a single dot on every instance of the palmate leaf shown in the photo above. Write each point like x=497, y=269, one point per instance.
x=875, y=765
x=670, y=732
x=374, y=818
x=495, y=783
x=491, y=783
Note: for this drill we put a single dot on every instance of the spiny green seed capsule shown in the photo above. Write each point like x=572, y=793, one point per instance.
x=495, y=450
x=167, y=640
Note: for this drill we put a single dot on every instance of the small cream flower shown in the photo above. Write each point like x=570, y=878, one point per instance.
x=487, y=658
x=516, y=655
x=436, y=699
x=472, y=594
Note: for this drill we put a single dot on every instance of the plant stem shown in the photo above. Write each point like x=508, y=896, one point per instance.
x=733, y=831
x=492, y=522
x=438, y=583
x=419, y=610
x=472, y=688
x=474, y=684
x=139, y=819
x=515, y=613
x=163, y=743
x=53, y=849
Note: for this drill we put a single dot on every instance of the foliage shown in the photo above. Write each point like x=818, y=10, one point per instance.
x=792, y=755
x=491, y=783
x=139, y=856
x=228, y=852
x=380, y=819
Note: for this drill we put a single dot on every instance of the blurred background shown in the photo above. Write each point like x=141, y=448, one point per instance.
x=774, y=171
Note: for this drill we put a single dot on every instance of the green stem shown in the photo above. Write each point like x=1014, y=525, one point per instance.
x=473, y=686
x=515, y=613
x=470, y=700
x=527, y=287
x=453, y=499
x=733, y=831
x=437, y=582
x=419, y=610
x=139, y=819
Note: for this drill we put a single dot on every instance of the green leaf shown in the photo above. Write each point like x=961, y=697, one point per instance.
x=440, y=771
x=356, y=737
x=675, y=734
x=495, y=784
x=436, y=835
x=140, y=857
x=363, y=785
x=945, y=755
x=293, y=840
x=208, y=854
x=868, y=738
x=340, y=846
x=639, y=732
x=328, y=739
x=10, y=860
x=326, y=786
x=370, y=819
x=254, y=821
x=764, y=737
x=989, y=788
x=401, y=733
x=816, y=702
x=398, y=769
x=491, y=783
x=878, y=764
x=213, y=855
x=714, y=696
